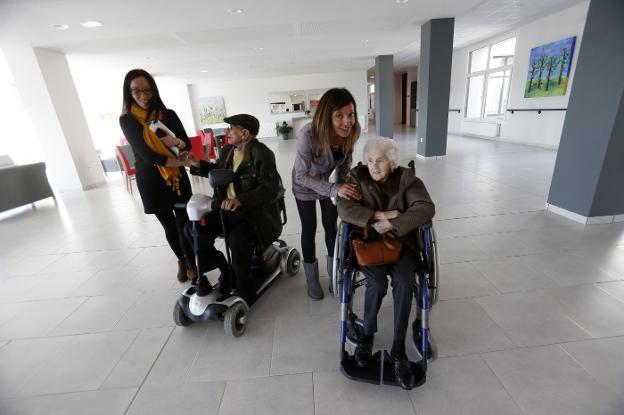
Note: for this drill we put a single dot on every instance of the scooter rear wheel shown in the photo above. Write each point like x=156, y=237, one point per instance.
x=179, y=317
x=293, y=263
x=235, y=320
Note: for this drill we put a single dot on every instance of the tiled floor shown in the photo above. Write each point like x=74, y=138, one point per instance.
x=530, y=318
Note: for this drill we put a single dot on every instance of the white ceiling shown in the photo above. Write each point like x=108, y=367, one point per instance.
x=180, y=38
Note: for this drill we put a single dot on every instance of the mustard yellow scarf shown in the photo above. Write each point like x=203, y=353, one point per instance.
x=171, y=175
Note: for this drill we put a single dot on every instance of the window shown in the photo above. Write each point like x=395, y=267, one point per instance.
x=489, y=76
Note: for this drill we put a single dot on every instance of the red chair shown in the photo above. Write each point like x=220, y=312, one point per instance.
x=126, y=157
x=197, y=148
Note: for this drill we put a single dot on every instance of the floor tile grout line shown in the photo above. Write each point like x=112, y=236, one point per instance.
x=187, y=375
x=67, y=316
x=121, y=356
x=595, y=379
x=149, y=371
x=500, y=381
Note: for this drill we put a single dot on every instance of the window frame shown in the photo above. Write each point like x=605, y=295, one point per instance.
x=485, y=73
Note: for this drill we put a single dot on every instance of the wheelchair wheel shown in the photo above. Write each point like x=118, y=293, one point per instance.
x=339, y=259
x=293, y=262
x=179, y=318
x=235, y=321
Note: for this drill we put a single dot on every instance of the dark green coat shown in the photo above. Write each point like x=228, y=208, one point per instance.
x=257, y=185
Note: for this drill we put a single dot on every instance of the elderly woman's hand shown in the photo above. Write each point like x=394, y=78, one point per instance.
x=382, y=226
x=389, y=214
x=349, y=191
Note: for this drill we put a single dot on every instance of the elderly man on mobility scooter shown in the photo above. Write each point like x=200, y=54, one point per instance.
x=251, y=213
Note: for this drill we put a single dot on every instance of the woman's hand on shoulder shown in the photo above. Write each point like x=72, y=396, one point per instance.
x=349, y=191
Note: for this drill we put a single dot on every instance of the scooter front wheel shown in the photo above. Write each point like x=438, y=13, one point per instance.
x=235, y=320
x=179, y=317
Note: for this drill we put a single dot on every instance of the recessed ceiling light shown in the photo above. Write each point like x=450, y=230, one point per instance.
x=60, y=26
x=364, y=40
x=91, y=23
x=204, y=71
x=402, y=1
x=259, y=48
x=235, y=11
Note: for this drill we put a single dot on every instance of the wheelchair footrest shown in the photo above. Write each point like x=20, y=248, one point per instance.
x=368, y=374
x=379, y=371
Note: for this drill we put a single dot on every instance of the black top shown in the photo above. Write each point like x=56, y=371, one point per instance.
x=258, y=187
x=155, y=193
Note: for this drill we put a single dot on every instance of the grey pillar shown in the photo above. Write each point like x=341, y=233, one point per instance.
x=434, y=84
x=587, y=179
x=384, y=95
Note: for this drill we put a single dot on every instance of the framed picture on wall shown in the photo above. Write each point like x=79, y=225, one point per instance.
x=549, y=69
x=211, y=110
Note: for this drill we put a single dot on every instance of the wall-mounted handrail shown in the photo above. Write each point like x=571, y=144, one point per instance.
x=538, y=110
x=452, y=110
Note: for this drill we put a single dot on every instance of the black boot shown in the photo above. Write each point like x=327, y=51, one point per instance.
x=203, y=286
x=363, y=351
x=403, y=372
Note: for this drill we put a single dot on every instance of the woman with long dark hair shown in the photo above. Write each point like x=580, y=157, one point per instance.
x=161, y=178
x=324, y=145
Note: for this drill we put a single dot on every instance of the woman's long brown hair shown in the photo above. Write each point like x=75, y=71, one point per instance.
x=322, y=128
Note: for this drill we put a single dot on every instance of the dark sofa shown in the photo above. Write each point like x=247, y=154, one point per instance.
x=22, y=185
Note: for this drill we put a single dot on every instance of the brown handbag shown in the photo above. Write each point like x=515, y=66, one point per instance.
x=370, y=253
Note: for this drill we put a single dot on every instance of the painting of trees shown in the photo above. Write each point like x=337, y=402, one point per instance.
x=533, y=67
x=551, y=63
x=541, y=64
x=547, y=63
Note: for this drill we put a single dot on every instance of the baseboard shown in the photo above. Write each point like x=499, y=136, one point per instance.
x=506, y=140
x=585, y=220
x=429, y=158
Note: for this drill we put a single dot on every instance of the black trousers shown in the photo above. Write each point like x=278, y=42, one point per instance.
x=173, y=222
x=307, y=214
x=240, y=240
x=403, y=280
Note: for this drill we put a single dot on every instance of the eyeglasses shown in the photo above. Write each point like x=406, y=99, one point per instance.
x=139, y=92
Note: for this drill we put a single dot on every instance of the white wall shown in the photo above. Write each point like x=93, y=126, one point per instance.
x=251, y=96
x=60, y=86
x=33, y=90
x=522, y=127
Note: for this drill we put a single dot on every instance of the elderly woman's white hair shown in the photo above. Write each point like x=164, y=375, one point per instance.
x=387, y=146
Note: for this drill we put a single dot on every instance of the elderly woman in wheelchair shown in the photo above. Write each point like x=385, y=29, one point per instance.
x=394, y=208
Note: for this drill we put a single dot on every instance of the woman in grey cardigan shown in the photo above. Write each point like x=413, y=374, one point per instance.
x=324, y=145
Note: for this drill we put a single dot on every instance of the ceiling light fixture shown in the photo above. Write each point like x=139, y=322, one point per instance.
x=259, y=48
x=364, y=40
x=91, y=24
x=204, y=71
x=402, y=1
x=59, y=26
x=235, y=11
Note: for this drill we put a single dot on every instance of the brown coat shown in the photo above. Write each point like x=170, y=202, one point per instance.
x=402, y=191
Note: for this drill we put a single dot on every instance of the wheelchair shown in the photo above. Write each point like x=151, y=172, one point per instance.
x=267, y=263
x=347, y=278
